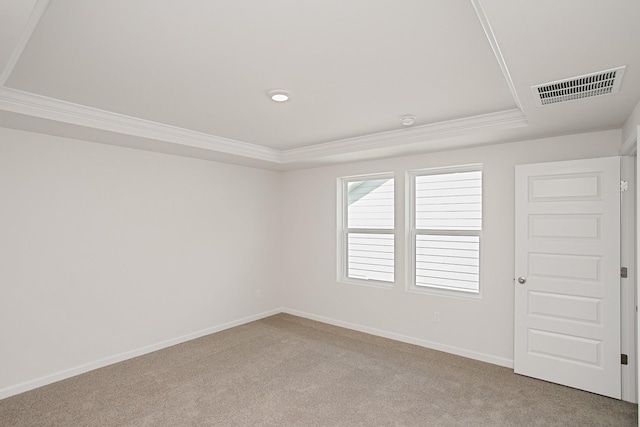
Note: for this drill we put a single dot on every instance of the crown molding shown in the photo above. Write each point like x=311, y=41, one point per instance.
x=30, y=104
x=496, y=121
x=21, y=102
x=17, y=101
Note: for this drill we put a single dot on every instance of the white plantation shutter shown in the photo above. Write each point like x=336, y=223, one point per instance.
x=446, y=233
x=369, y=229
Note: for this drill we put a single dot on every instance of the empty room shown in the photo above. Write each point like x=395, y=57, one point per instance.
x=319, y=213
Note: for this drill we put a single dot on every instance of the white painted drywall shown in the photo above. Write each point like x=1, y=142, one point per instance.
x=480, y=328
x=629, y=131
x=106, y=252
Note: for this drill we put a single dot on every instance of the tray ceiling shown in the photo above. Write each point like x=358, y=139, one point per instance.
x=195, y=74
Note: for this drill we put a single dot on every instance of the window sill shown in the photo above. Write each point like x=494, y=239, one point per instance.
x=449, y=293
x=367, y=283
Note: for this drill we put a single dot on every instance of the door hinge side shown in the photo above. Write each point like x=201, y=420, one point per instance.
x=624, y=359
x=624, y=186
x=624, y=273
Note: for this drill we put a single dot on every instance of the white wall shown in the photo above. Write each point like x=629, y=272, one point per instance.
x=107, y=252
x=629, y=131
x=477, y=328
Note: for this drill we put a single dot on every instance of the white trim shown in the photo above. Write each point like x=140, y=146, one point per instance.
x=496, y=121
x=32, y=23
x=71, y=372
x=343, y=231
x=628, y=285
x=484, y=21
x=18, y=101
x=53, y=109
x=629, y=146
x=637, y=261
x=22, y=102
x=483, y=357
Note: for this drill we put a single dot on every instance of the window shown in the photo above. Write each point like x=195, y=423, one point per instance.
x=366, y=251
x=445, y=229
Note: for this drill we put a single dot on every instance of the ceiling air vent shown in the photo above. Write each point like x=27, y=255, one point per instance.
x=595, y=84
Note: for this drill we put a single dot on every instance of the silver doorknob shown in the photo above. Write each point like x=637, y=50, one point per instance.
x=522, y=280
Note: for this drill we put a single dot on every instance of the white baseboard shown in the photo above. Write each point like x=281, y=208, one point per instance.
x=68, y=373
x=500, y=361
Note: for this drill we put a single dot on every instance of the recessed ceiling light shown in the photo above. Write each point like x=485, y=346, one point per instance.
x=407, y=120
x=279, y=95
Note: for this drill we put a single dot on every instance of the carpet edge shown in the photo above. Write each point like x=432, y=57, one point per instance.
x=470, y=354
x=121, y=357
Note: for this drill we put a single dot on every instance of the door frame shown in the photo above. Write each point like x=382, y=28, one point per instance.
x=628, y=287
x=630, y=223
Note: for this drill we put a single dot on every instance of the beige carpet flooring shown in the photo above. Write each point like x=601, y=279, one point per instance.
x=288, y=371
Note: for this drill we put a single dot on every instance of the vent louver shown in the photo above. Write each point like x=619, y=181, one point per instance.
x=580, y=87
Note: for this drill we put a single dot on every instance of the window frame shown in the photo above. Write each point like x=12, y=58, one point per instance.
x=344, y=231
x=412, y=232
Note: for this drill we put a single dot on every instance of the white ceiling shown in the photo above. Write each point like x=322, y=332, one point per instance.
x=192, y=77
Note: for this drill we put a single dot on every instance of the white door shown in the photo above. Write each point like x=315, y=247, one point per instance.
x=567, y=266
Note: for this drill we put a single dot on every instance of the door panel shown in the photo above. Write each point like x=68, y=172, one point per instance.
x=564, y=226
x=567, y=311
